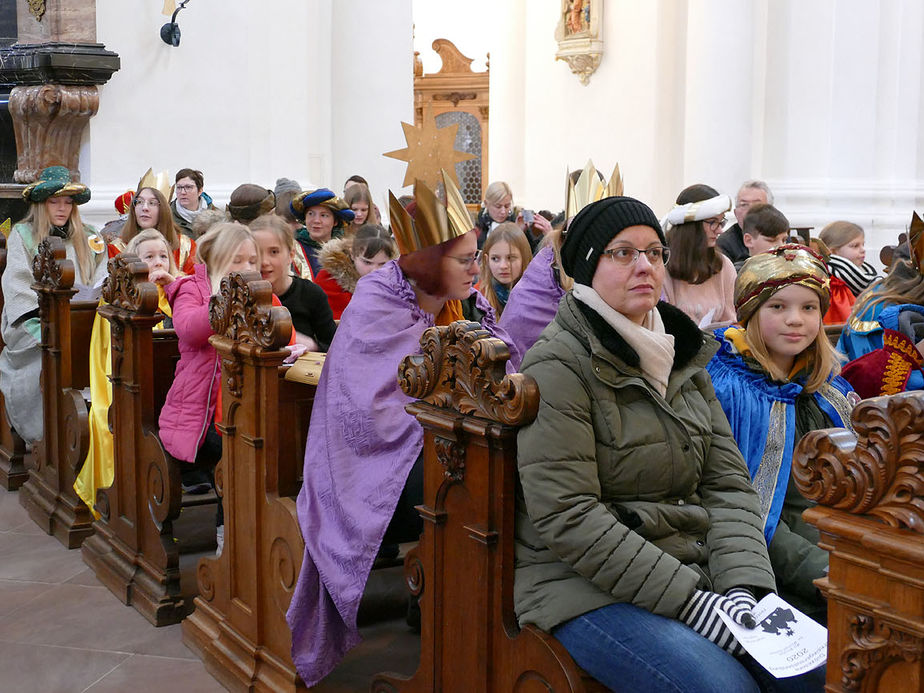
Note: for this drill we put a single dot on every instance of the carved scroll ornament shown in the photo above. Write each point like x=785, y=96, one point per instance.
x=874, y=647
x=50, y=265
x=462, y=367
x=243, y=312
x=879, y=471
x=580, y=36
x=127, y=285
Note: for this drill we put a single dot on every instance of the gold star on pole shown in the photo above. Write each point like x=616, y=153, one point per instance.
x=429, y=150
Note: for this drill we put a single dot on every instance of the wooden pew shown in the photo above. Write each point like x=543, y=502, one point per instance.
x=238, y=627
x=13, y=472
x=133, y=551
x=870, y=493
x=833, y=333
x=463, y=566
x=49, y=494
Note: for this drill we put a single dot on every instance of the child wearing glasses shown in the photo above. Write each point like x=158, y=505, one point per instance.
x=700, y=280
x=776, y=377
x=504, y=257
x=149, y=210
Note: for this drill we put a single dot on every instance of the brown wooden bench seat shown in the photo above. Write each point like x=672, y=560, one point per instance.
x=463, y=566
x=134, y=551
x=13, y=473
x=238, y=627
x=49, y=494
x=869, y=488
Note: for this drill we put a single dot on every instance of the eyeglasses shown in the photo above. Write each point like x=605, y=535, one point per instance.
x=715, y=223
x=140, y=202
x=468, y=261
x=185, y=188
x=626, y=256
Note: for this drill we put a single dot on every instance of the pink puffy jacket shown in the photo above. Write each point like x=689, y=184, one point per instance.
x=190, y=404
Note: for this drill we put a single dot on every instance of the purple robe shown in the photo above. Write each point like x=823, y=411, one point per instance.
x=532, y=304
x=361, y=447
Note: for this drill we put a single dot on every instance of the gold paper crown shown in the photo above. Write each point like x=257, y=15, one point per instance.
x=916, y=241
x=589, y=187
x=160, y=182
x=434, y=222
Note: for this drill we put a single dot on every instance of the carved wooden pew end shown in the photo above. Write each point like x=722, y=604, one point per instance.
x=870, y=493
x=49, y=494
x=463, y=567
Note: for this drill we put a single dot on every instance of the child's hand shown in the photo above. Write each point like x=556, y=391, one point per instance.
x=160, y=277
x=295, y=351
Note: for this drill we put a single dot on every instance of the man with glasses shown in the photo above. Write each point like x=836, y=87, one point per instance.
x=190, y=199
x=731, y=242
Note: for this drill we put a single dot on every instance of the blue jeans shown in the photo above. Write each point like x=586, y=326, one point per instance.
x=627, y=648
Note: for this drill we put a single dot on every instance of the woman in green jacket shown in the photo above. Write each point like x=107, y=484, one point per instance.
x=637, y=520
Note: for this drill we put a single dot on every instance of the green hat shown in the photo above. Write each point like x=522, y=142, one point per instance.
x=55, y=181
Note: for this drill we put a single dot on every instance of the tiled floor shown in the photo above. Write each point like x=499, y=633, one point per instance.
x=61, y=631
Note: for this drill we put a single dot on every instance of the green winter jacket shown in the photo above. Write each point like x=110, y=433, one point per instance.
x=627, y=496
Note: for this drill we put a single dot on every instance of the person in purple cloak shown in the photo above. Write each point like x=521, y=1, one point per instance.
x=534, y=300
x=363, y=455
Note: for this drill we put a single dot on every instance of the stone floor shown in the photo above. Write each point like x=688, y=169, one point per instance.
x=61, y=631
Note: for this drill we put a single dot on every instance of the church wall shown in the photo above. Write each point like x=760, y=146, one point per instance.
x=821, y=99
x=255, y=91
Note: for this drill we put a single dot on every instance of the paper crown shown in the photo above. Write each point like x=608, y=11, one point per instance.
x=434, y=222
x=589, y=187
x=160, y=182
x=916, y=241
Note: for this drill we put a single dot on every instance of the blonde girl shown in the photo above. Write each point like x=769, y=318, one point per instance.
x=504, y=257
x=847, y=260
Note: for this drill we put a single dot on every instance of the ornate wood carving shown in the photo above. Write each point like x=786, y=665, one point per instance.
x=13, y=472
x=49, y=494
x=238, y=627
x=462, y=569
x=455, y=87
x=48, y=122
x=463, y=368
x=875, y=646
x=878, y=471
x=133, y=551
x=579, y=36
x=243, y=312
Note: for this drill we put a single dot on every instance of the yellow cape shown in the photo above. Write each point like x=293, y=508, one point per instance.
x=98, y=468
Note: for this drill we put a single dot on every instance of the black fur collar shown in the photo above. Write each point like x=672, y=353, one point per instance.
x=688, y=339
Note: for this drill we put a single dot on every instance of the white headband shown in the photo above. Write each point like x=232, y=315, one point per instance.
x=697, y=211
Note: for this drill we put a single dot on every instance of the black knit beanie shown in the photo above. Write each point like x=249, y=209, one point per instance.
x=595, y=226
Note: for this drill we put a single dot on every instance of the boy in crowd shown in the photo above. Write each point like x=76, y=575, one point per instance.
x=764, y=227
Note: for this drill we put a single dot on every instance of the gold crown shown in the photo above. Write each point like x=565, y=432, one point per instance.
x=434, y=222
x=589, y=187
x=160, y=182
x=916, y=241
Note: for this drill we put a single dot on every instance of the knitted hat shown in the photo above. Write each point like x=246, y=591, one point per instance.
x=284, y=185
x=322, y=197
x=595, y=226
x=55, y=181
x=124, y=201
x=766, y=273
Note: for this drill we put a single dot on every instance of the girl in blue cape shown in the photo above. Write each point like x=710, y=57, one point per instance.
x=361, y=458
x=776, y=377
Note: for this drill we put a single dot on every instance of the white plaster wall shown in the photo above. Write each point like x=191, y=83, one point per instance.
x=822, y=99
x=470, y=24
x=306, y=89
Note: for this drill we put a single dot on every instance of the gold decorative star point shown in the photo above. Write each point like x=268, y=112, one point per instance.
x=429, y=149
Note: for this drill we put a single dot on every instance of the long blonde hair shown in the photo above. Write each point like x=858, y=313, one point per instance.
x=40, y=222
x=509, y=233
x=823, y=359
x=216, y=249
x=555, y=238
x=154, y=235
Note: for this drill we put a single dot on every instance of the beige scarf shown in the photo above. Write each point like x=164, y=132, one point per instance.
x=653, y=345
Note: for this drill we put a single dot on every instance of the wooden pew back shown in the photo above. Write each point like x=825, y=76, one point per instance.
x=13, y=472
x=869, y=487
x=238, y=627
x=463, y=567
x=134, y=552
x=49, y=495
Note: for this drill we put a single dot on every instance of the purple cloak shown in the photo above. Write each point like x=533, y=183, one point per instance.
x=361, y=447
x=532, y=304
